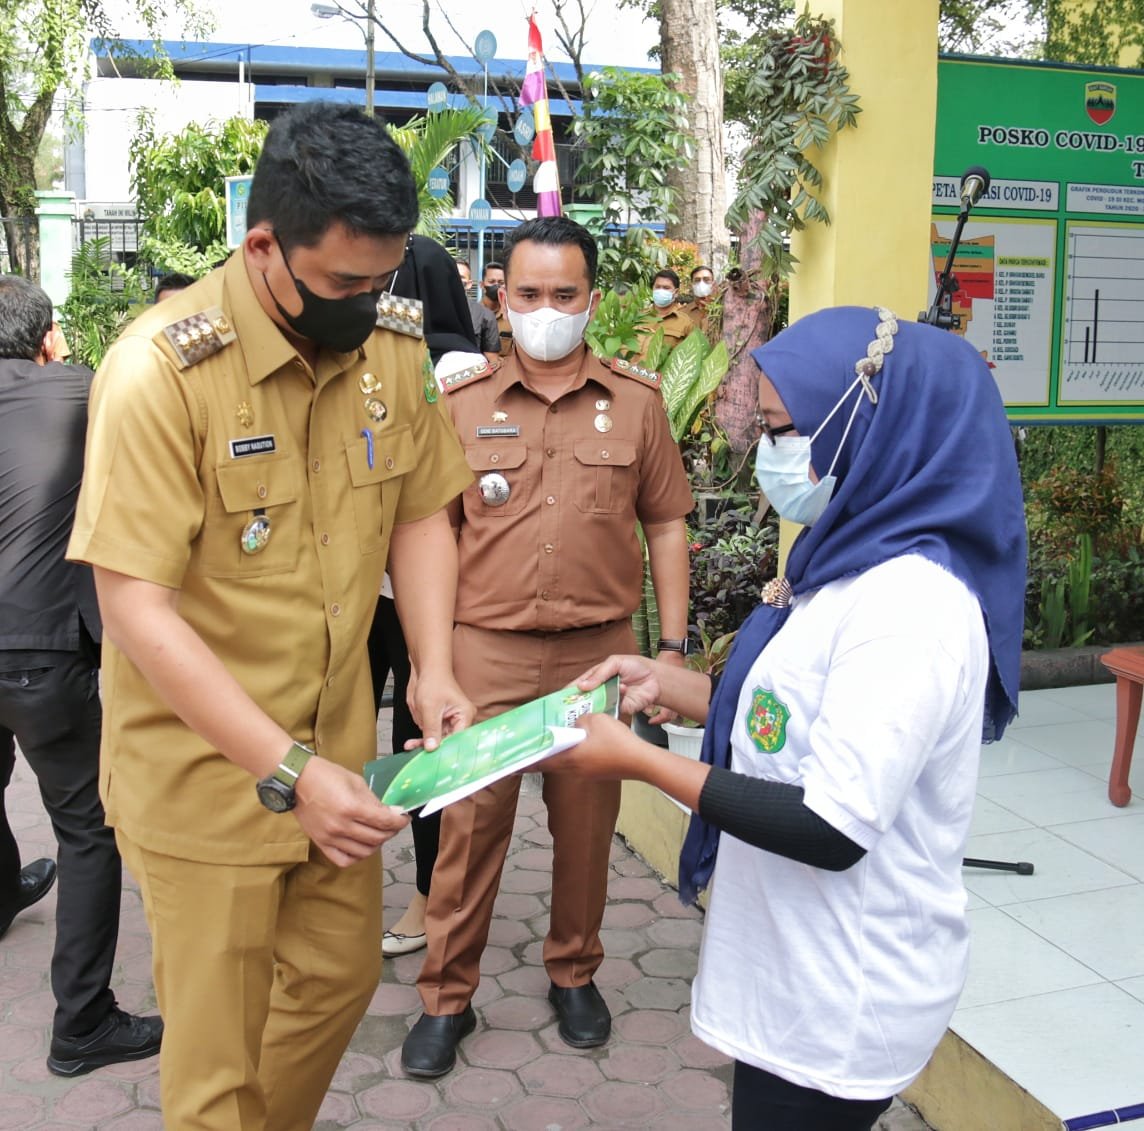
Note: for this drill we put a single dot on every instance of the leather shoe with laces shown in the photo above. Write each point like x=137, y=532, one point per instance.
x=36, y=881
x=118, y=1037
x=431, y=1047
x=585, y=1021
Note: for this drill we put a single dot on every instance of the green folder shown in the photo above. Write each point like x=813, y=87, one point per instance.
x=488, y=751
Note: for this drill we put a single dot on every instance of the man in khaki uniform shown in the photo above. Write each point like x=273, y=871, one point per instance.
x=570, y=452
x=669, y=315
x=703, y=297
x=492, y=283
x=259, y=446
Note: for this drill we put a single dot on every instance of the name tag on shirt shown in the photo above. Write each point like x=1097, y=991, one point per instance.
x=498, y=430
x=252, y=446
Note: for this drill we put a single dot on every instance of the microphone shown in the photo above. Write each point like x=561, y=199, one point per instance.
x=974, y=185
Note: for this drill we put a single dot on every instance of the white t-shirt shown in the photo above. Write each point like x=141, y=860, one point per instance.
x=871, y=698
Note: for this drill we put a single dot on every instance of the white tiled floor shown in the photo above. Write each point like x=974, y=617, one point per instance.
x=1055, y=996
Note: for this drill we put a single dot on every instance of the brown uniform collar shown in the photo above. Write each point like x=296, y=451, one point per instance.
x=591, y=369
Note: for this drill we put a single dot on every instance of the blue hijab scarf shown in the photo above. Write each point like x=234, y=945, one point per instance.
x=930, y=469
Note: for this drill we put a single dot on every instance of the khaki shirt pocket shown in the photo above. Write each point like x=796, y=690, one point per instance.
x=376, y=489
x=509, y=460
x=246, y=487
x=605, y=475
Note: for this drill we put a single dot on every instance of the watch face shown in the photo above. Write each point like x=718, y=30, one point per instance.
x=275, y=796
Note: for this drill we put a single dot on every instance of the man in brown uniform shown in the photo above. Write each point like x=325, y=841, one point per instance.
x=259, y=444
x=570, y=452
x=668, y=315
x=492, y=283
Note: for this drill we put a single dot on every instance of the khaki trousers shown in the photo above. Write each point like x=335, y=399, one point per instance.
x=499, y=670
x=262, y=974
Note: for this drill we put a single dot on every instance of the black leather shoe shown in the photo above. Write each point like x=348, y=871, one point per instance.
x=584, y=1018
x=431, y=1047
x=118, y=1037
x=36, y=880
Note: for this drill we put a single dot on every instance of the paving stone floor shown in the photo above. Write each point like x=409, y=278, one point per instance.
x=514, y=1073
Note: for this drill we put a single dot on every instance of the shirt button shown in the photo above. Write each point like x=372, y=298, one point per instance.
x=494, y=458
x=335, y=610
x=550, y=500
x=261, y=491
x=550, y=452
x=330, y=682
x=389, y=463
x=325, y=539
x=317, y=465
x=544, y=595
x=553, y=408
x=604, y=454
x=549, y=548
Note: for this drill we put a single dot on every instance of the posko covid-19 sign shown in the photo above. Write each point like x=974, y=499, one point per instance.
x=1050, y=266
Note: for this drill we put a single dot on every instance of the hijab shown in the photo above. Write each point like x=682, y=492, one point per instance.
x=429, y=273
x=929, y=469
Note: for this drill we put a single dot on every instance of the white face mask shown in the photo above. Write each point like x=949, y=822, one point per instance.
x=662, y=296
x=783, y=470
x=547, y=334
x=701, y=290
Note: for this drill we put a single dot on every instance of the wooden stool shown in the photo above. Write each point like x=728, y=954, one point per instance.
x=1127, y=664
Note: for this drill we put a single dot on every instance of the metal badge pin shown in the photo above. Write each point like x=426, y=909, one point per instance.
x=494, y=489
x=245, y=414
x=376, y=410
x=602, y=405
x=256, y=534
x=603, y=423
x=500, y=417
x=369, y=384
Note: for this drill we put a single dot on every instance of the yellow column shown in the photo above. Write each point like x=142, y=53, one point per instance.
x=878, y=177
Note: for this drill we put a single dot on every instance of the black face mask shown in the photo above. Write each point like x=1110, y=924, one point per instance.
x=342, y=324
x=492, y=293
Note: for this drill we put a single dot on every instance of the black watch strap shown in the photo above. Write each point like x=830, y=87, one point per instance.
x=683, y=647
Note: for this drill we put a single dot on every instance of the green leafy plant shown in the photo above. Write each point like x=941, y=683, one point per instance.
x=104, y=297
x=691, y=373
x=615, y=327
x=795, y=97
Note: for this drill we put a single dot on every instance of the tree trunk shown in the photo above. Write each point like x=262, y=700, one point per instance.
x=689, y=46
x=748, y=321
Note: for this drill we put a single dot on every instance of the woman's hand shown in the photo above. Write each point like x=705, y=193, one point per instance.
x=639, y=684
x=606, y=754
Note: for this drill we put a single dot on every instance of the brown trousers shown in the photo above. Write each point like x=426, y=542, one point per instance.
x=499, y=670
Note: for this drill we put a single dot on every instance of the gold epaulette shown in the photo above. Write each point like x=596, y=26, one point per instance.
x=199, y=336
x=639, y=372
x=404, y=315
x=470, y=375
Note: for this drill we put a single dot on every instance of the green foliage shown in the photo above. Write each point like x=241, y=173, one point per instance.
x=634, y=131
x=178, y=182
x=619, y=319
x=795, y=98
x=630, y=259
x=103, y=299
x=691, y=374
x=1106, y=34
x=428, y=141
x=711, y=652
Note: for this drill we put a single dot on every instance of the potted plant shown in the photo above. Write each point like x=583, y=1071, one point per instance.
x=685, y=736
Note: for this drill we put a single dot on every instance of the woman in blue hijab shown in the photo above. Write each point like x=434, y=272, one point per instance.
x=841, y=744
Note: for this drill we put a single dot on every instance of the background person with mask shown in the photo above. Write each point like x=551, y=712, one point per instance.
x=569, y=453
x=702, y=292
x=841, y=745
x=483, y=319
x=492, y=282
x=670, y=316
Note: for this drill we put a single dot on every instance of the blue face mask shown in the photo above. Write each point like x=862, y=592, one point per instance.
x=662, y=296
x=783, y=471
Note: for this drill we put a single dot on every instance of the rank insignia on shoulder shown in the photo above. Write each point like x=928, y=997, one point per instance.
x=199, y=336
x=469, y=375
x=633, y=369
x=404, y=315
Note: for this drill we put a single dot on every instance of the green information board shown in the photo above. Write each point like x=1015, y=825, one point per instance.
x=1051, y=263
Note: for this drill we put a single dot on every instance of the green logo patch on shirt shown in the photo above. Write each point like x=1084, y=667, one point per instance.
x=431, y=390
x=767, y=721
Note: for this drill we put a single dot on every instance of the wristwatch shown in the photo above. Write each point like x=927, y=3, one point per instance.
x=276, y=792
x=683, y=647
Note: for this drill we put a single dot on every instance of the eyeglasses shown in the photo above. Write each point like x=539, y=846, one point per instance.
x=769, y=432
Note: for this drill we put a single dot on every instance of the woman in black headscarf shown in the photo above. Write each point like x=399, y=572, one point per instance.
x=428, y=274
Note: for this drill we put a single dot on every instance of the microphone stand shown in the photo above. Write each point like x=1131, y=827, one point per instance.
x=940, y=314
